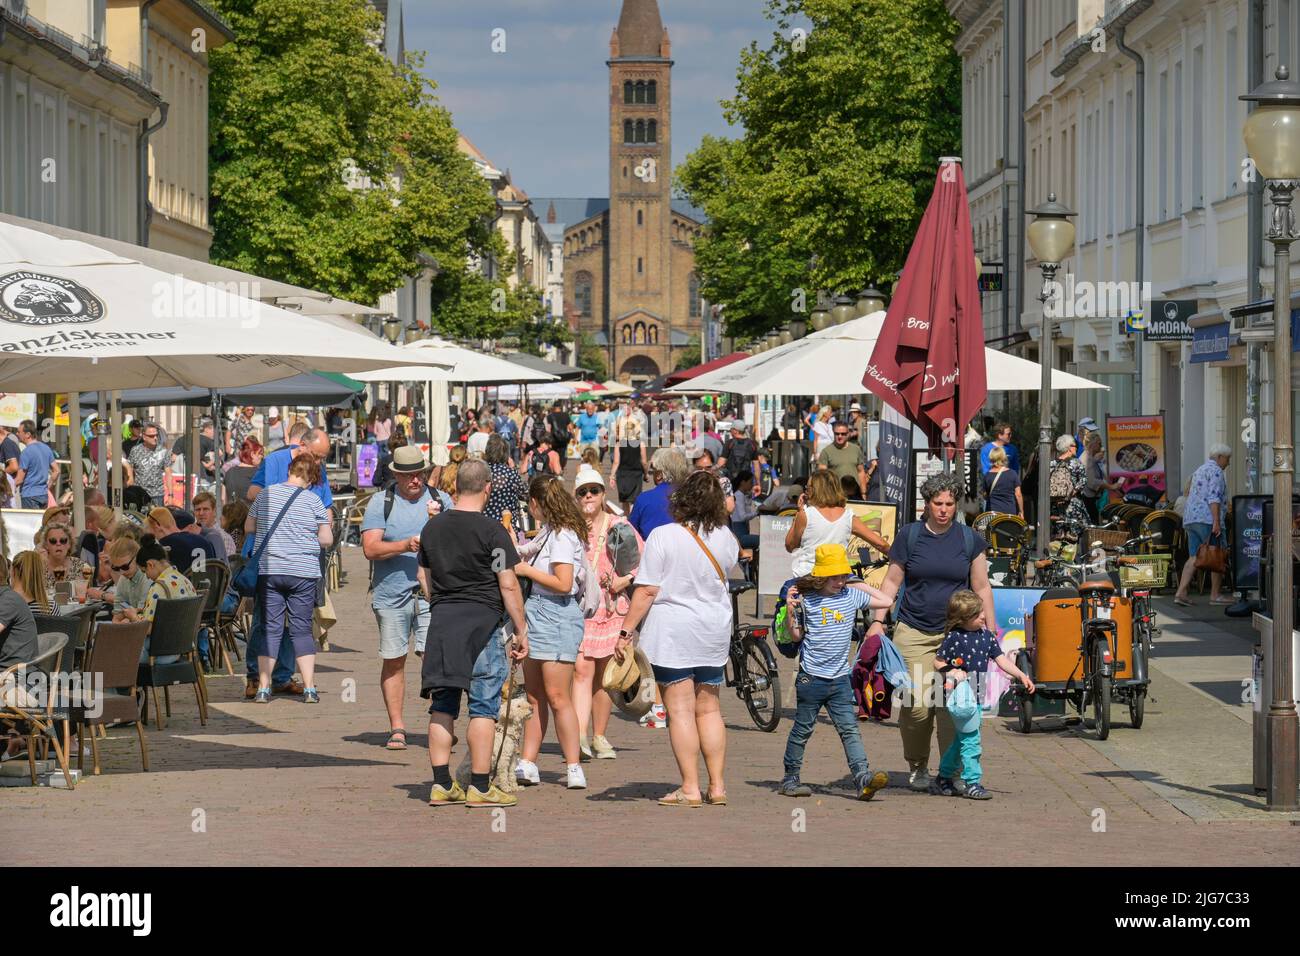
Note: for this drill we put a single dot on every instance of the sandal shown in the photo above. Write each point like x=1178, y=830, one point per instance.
x=678, y=799
x=393, y=742
x=718, y=801
x=1222, y=600
x=1183, y=602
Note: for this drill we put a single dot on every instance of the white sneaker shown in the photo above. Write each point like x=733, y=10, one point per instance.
x=603, y=749
x=656, y=719
x=584, y=750
x=526, y=773
x=577, y=780
x=919, y=779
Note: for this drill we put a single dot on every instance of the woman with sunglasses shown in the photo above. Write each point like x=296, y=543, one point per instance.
x=555, y=624
x=130, y=583
x=600, y=633
x=61, y=566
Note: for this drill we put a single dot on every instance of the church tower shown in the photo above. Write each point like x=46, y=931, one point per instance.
x=640, y=305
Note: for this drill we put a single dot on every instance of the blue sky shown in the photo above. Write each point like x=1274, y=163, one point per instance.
x=540, y=108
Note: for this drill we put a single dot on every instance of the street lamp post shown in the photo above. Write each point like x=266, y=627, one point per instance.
x=1051, y=236
x=1272, y=135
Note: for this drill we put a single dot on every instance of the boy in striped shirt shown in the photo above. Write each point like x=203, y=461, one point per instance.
x=823, y=608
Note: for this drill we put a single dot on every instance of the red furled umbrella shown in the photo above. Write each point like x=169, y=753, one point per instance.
x=686, y=374
x=929, y=360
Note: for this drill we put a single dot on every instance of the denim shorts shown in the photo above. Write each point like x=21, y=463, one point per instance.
x=713, y=676
x=1198, y=532
x=397, y=625
x=490, y=672
x=555, y=627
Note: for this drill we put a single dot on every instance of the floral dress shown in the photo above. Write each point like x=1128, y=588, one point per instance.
x=600, y=633
x=1074, y=511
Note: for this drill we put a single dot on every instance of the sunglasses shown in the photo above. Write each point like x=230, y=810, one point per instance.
x=590, y=491
x=841, y=434
x=58, y=541
x=121, y=567
x=150, y=434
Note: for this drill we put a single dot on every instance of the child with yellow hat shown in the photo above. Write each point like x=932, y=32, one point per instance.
x=823, y=608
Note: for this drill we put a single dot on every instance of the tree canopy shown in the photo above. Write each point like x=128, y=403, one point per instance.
x=842, y=131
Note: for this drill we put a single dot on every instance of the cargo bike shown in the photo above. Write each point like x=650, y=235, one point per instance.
x=1091, y=636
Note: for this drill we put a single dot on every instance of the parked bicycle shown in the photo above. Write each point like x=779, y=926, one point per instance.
x=751, y=665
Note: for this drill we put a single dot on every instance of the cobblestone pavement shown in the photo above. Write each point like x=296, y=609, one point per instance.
x=293, y=784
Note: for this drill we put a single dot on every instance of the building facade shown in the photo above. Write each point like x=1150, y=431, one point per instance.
x=629, y=258
x=1084, y=139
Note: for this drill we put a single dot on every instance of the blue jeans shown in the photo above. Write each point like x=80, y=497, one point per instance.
x=37, y=502
x=491, y=671
x=963, y=754
x=285, y=660
x=836, y=695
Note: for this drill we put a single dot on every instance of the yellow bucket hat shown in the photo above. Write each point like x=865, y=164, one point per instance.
x=830, y=560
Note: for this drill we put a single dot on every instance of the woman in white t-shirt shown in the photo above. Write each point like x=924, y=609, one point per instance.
x=552, y=563
x=682, y=598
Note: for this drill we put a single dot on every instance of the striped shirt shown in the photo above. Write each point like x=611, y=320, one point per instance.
x=828, y=628
x=294, y=549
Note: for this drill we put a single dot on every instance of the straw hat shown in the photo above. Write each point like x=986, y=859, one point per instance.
x=631, y=683
x=830, y=560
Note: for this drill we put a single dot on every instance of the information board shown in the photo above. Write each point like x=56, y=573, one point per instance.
x=774, y=561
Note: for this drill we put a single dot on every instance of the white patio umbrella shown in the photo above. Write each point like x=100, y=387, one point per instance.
x=833, y=361
x=80, y=318
x=458, y=365
x=613, y=387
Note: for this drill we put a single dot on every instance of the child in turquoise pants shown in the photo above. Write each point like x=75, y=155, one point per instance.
x=967, y=650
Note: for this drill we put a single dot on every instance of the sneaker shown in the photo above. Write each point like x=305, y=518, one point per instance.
x=657, y=719
x=440, y=796
x=577, y=780
x=262, y=696
x=791, y=787
x=870, y=783
x=495, y=797
x=942, y=787
x=526, y=773
x=584, y=750
x=602, y=748
x=309, y=696
x=975, y=792
x=919, y=778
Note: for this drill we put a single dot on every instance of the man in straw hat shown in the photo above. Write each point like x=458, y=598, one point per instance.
x=467, y=563
x=390, y=538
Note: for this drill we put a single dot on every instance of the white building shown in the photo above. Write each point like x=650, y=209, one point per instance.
x=1081, y=141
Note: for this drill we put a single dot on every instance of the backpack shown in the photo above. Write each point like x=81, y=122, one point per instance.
x=589, y=596
x=388, y=510
x=739, y=453
x=1060, y=483
x=620, y=542
x=506, y=428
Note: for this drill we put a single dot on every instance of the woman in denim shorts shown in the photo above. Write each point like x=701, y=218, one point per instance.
x=552, y=562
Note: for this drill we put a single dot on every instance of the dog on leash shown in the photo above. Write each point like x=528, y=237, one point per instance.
x=509, y=733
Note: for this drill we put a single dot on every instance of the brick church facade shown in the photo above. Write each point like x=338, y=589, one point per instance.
x=629, y=259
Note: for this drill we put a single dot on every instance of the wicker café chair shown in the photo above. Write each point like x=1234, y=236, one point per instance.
x=17, y=706
x=115, y=661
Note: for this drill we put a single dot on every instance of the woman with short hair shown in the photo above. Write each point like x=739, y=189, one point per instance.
x=551, y=563
x=930, y=560
x=1065, y=483
x=1207, y=498
x=506, y=490
x=680, y=615
x=291, y=526
x=61, y=566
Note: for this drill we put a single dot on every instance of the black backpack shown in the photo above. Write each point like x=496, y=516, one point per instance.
x=740, y=453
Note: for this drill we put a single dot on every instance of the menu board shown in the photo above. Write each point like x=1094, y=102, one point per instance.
x=774, y=562
x=1135, y=452
x=1252, y=521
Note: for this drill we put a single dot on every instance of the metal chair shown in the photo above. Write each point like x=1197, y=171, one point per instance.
x=115, y=660
x=18, y=705
x=175, y=632
x=214, y=577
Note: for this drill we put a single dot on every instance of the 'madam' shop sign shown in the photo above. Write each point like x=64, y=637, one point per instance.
x=1169, y=320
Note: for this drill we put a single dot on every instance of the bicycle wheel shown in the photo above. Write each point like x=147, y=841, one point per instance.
x=760, y=684
x=1026, y=702
x=1137, y=708
x=1100, y=694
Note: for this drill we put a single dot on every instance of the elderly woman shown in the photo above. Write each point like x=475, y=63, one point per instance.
x=61, y=566
x=683, y=601
x=1065, y=483
x=1097, y=483
x=506, y=490
x=1203, y=520
x=824, y=518
x=930, y=559
x=600, y=633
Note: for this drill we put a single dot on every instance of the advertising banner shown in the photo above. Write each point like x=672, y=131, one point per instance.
x=1135, y=451
x=1012, y=606
x=895, y=453
x=16, y=407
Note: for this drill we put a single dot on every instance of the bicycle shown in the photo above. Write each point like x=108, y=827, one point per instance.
x=751, y=666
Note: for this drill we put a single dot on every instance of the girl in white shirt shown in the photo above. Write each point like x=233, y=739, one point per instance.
x=553, y=562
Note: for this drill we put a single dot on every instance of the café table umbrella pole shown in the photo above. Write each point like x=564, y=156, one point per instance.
x=74, y=460
x=115, y=422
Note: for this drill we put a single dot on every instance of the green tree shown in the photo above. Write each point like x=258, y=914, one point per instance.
x=331, y=168
x=689, y=356
x=591, y=356
x=843, y=129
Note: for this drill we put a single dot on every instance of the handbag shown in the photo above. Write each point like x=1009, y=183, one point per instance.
x=245, y=582
x=1212, y=557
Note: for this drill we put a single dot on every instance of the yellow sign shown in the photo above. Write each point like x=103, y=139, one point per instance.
x=61, y=410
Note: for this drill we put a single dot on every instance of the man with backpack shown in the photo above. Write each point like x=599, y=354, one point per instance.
x=390, y=538
x=739, y=455
x=509, y=432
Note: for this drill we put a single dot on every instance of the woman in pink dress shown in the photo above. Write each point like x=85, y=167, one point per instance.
x=600, y=633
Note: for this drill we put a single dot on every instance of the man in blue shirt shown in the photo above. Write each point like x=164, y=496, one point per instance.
x=1001, y=439
x=273, y=471
x=390, y=538
x=36, y=468
x=1086, y=427
x=669, y=468
x=588, y=428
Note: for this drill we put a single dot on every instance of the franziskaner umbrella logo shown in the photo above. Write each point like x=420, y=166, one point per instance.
x=35, y=298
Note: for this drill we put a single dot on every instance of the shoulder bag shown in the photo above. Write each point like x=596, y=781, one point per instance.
x=1212, y=557
x=245, y=582
x=707, y=553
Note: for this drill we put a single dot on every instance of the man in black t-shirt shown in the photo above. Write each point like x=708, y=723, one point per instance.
x=561, y=431
x=467, y=563
x=10, y=451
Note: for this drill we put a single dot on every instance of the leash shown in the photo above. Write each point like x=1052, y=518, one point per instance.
x=510, y=694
